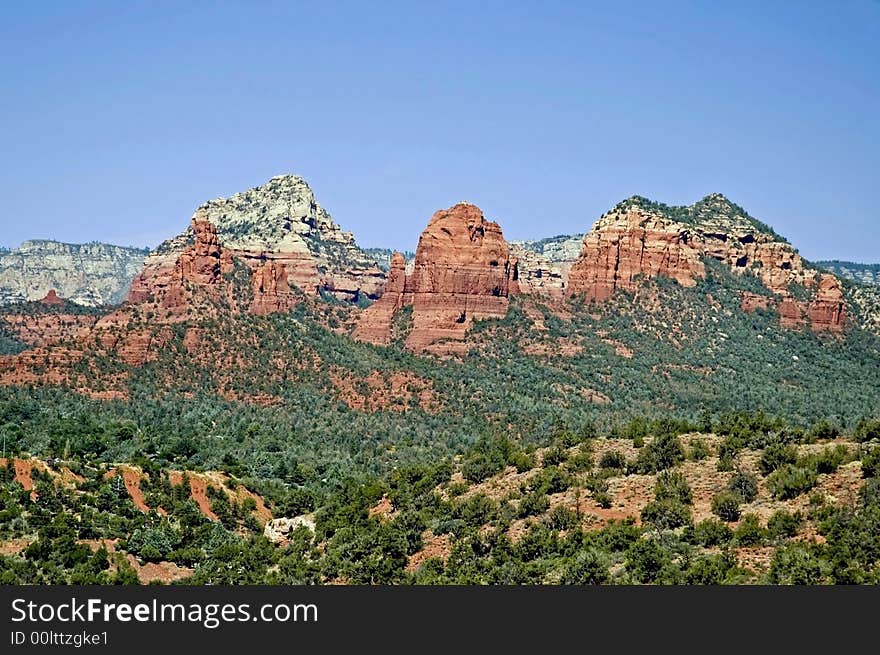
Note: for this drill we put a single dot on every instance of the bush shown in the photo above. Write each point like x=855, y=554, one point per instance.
x=826, y=461
x=867, y=430
x=533, y=504
x=749, y=531
x=666, y=514
x=871, y=463
x=585, y=568
x=783, y=525
x=698, y=450
x=645, y=560
x=522, y=461
x=712, y=570
x=662, y=453
x=603, y=499
x=613, y=459
x=554, y=456
x=582, y=460
x=745, y=484
x=726, y=506
x=712, y=532
x=791, y=481
x=775, y=456
x=797, y=564
x=823, y=430
x=672, y=485
x=561, y=518
x=479, y=467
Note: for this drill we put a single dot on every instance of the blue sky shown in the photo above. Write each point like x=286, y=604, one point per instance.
x=118, y=119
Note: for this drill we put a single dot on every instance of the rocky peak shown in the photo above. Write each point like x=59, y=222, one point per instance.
x=462, y=271
x=640, y=238
x=282, y=221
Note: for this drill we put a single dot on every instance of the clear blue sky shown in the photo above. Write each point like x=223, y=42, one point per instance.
x=118, y=118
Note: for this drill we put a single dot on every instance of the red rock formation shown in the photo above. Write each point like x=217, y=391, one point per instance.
x=638, y=246
x=47, y=329
x=631, y=243
x=374, y=325
x=828, y=309
x=752, y=302
x=271, y=291
x=52, y=298
x=790, y=313
x=206, y=261
x=462, y=271
x=202, y=264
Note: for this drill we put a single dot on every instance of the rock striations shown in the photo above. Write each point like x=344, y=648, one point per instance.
x=281, y=223
x=462, y=271
x=639, y=239
x=89, y=274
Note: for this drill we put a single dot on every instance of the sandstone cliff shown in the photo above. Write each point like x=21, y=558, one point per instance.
x=462, y=271
x=88, y=274
x=639, y=239
x=281, y=222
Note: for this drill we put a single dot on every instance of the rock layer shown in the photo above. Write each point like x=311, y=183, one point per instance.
x=89, y=274
x=282, y=222
x=642, y=240
x=462, y=272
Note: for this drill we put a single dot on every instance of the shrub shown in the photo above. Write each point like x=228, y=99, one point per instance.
x=725, y=463
x=871, y=463
x=775, y=456
x=826, y=461
x=797, y=564
x=823, y=430
x=749, y=531
x=662, y=453
x=726, y=506
x=666, y=514
x=582, y=460
x=613, y=459
x=791, y=481
x=646, y=559
x=533, y=504
x=561, y=518
x=712, y=532
x=712, y=570
x=672, y=485
x=585, y=568
x=698, y=450
x=603, y=499
x=554, y=456
x=479, y=467
x=867, y=430
x=522, y=461
x=745, y=484
x=551, y=480
x=783, y=524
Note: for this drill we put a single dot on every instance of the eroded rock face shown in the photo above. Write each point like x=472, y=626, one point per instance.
x=462, y=271
x=638, y=239
x=538, y=275
x=282, y=222
x=828, y=309
x=89, y=274
x=271, y=290
x=375, y=323
x=630, y=245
